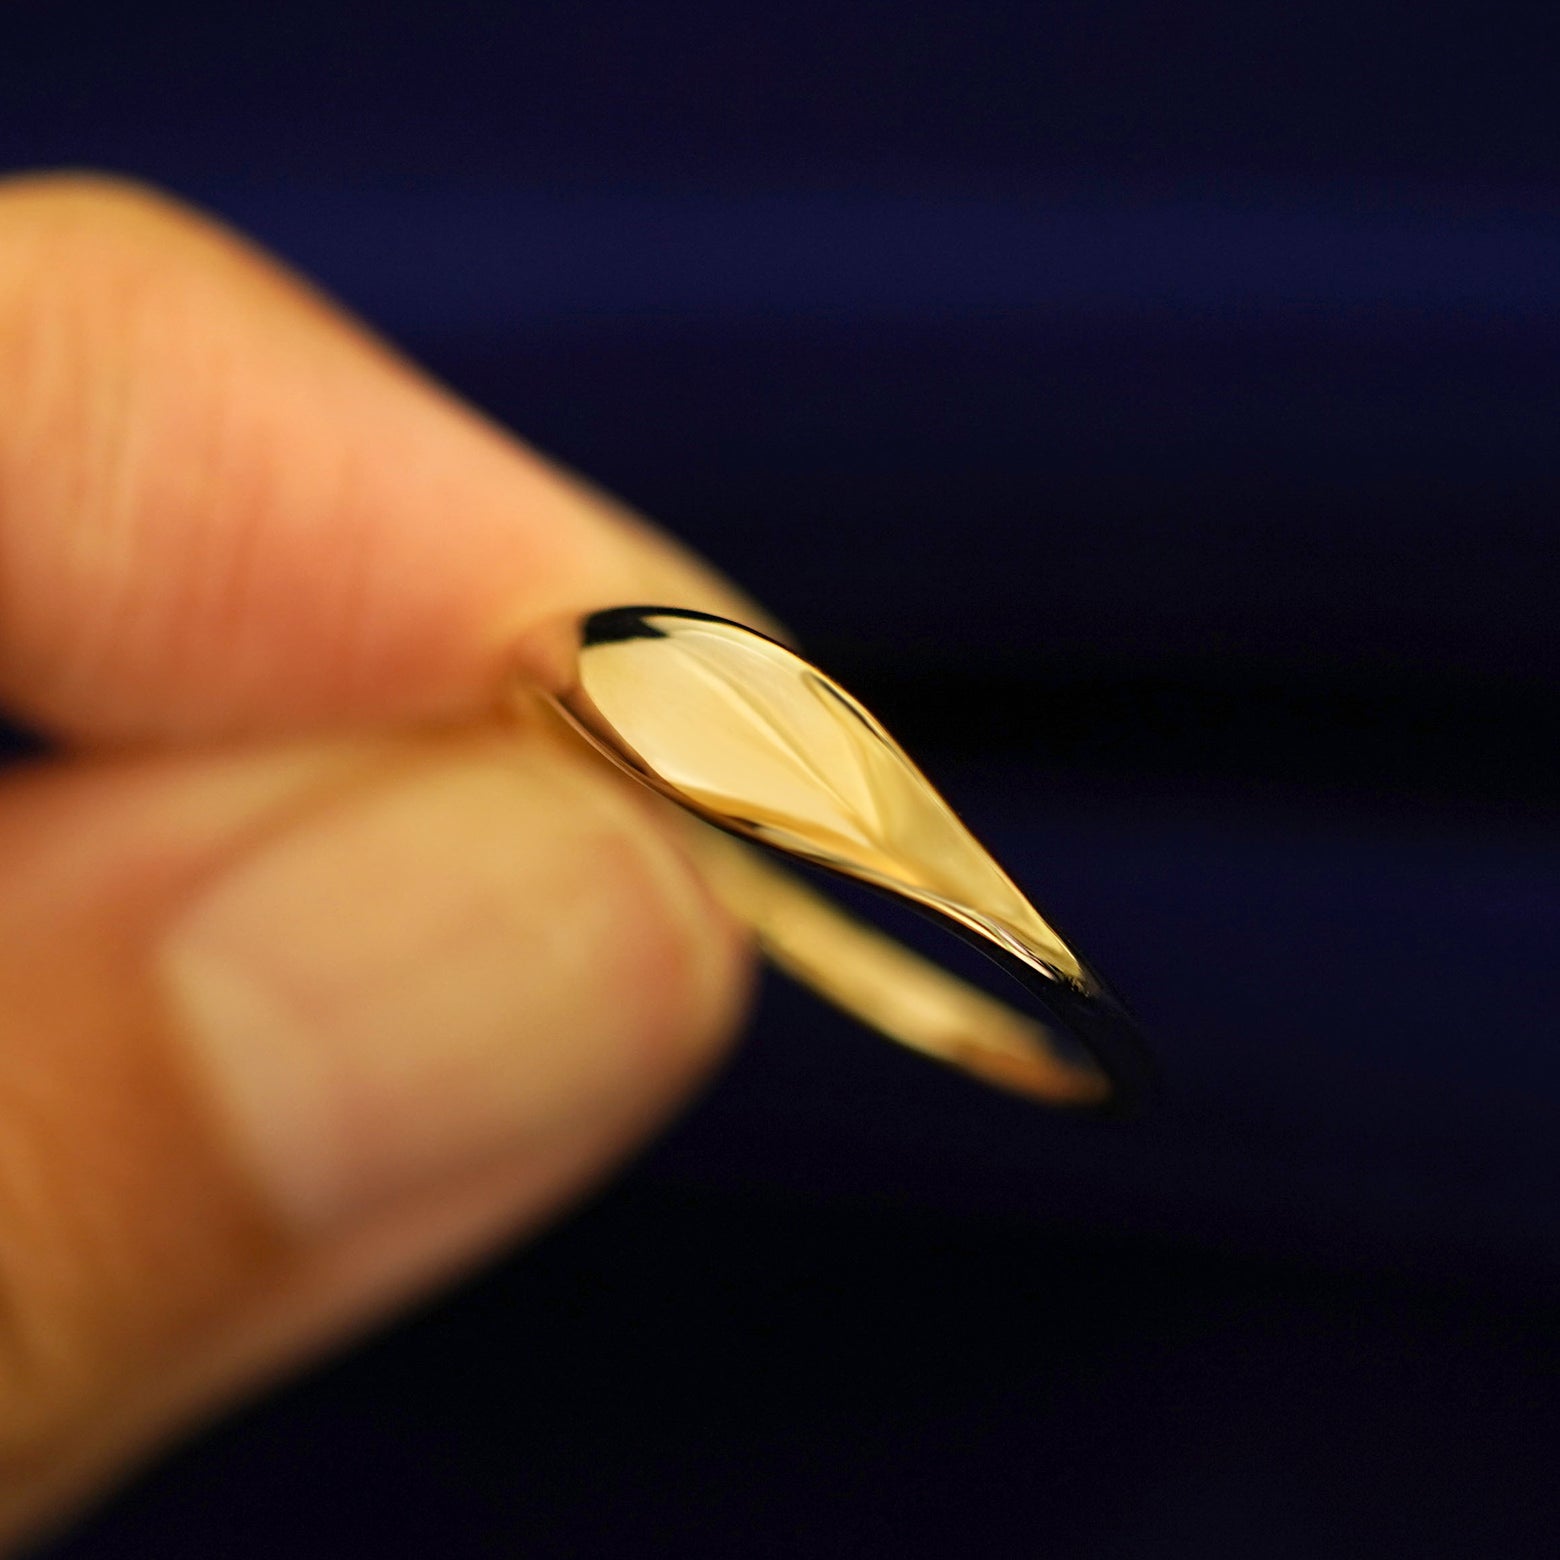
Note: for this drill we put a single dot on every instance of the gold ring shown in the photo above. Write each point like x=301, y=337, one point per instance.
x=747, y=736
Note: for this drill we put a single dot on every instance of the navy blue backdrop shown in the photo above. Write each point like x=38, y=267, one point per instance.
x=1150, y=409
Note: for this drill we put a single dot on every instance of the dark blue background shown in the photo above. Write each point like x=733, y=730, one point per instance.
x=1151, y=409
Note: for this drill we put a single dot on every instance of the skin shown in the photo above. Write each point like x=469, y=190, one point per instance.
x=327, y=964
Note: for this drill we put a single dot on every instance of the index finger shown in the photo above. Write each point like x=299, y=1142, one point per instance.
x=226, y=510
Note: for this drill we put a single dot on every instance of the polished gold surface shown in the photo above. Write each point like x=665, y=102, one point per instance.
x=897, y=992
x=751, y=738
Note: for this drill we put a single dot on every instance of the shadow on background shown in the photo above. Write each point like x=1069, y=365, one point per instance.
x=1151, y=412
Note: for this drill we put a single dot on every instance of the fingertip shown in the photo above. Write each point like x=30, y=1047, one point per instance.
x=226, y=510
x=487, y=949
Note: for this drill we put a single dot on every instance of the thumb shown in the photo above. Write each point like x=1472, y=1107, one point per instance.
x=286, y=1035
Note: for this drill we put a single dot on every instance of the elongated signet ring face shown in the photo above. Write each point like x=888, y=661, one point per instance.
x=749, y=737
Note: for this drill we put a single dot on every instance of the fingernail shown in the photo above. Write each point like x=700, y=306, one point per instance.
x=481, y=950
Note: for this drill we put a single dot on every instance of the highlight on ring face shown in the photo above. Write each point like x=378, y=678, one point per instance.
x=744, y=733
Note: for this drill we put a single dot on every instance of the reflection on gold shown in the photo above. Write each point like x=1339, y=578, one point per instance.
x=748, y=736
x=886, y=986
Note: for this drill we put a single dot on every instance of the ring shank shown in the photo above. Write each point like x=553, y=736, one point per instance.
x=919, y=1003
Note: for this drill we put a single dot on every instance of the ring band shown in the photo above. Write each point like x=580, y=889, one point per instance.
x=749, y=737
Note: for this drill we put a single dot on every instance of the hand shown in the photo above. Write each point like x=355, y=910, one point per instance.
x=313, y=984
